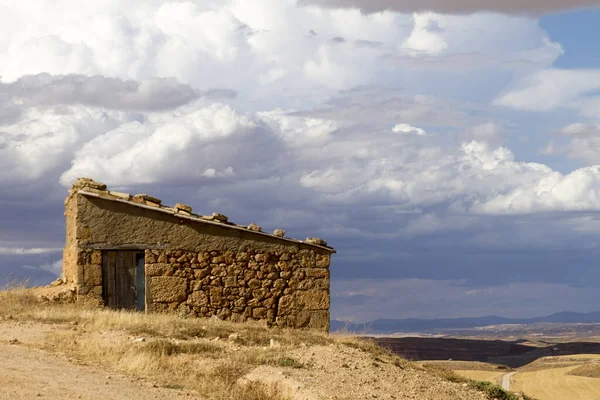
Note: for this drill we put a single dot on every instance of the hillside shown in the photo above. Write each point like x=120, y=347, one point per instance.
x=79, y=351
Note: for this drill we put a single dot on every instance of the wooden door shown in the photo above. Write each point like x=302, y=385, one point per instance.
x=123, y=280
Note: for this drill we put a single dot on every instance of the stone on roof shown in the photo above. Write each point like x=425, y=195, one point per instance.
x=90, y=187
x=317, y=241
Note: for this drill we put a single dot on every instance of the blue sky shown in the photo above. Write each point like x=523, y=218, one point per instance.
x=451, y=156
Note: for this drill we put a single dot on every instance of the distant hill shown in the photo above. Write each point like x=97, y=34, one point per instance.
x=428, y=325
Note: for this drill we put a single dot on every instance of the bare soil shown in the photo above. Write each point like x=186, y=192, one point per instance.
x=323, y=372
x=27, y=372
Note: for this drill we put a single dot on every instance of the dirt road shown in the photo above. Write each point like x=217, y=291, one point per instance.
x=506, y=380
x=28, y=373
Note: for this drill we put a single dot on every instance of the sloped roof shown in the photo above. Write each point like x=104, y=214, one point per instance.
x=91, y=188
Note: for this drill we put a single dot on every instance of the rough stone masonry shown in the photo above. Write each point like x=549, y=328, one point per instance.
x=194, y=265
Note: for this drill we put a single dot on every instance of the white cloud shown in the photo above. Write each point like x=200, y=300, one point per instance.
x=54, y=268
x=406, y=128
x=316, y=119
x=209, y=142
x=18, y=251
x=579, y=129
x=232, y=43
x=584, y=142
x=426, y=35
x=458, y=6
x=550, y=89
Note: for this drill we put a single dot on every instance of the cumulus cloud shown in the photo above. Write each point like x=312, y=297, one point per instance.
x=248, y=47
x=457, y=6
x=212, y=142
x=302, y=118
x=426, y=36
x=386, y=168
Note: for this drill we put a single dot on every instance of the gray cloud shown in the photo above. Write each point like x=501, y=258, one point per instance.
x=376, y=106
x=457, y=6
x=99, y=91
x=365, y=300
x=397, y=205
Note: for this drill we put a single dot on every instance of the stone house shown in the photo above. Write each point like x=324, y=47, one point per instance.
x=133, y=252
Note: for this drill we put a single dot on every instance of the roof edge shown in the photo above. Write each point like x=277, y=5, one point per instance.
x=201, y=220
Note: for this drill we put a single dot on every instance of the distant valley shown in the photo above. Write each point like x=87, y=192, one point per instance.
x=472, y=325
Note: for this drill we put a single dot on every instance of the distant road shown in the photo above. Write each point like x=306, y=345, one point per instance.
x=506, y=381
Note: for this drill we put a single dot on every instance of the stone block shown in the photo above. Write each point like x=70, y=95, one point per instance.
x=261, y=258
x=121, y=196
x=260, y=294
x=279, y=233
x=141, y=198
x=92, y=275
x=260, y=312
x=242, y=257
x=167, y=289
x=303, y=319
x=183, y=207
x=287, y=305
x=198, y=299
x=150, y=257
x=317, y=241
x=159, y=270
x=323, y=261
x=162, y=257
x=220, y=217
x=313, y=299
x=230, y=281
x=216, y=296
x=96, y=257
x=254, y=227
x=319, y=320
x=254, y=283
x=88, y=183
x=219, y=270
x=280, y=284
x=316, y=273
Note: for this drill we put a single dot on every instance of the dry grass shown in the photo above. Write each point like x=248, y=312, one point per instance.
x=177, y=352
x=587, y=370
x=183, y=353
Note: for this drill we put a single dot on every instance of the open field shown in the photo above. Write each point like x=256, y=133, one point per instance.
x=556, y=384
x=81, y=351
x=572, y=377
x=489, y=376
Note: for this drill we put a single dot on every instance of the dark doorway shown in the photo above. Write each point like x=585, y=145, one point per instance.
x=123, y=280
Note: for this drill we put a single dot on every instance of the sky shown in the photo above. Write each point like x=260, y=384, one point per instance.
x=449, y=152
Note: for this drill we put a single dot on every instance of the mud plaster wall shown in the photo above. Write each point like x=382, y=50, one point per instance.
x=200, y=269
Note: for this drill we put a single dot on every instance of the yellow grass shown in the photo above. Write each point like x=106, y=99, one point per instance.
x=176, y=352
x=489, y=376
x=555, y=384
x=183, y=353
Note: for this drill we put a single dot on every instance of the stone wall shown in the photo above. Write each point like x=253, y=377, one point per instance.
x=89, y=273
x=197, y=265
x=283, y=288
